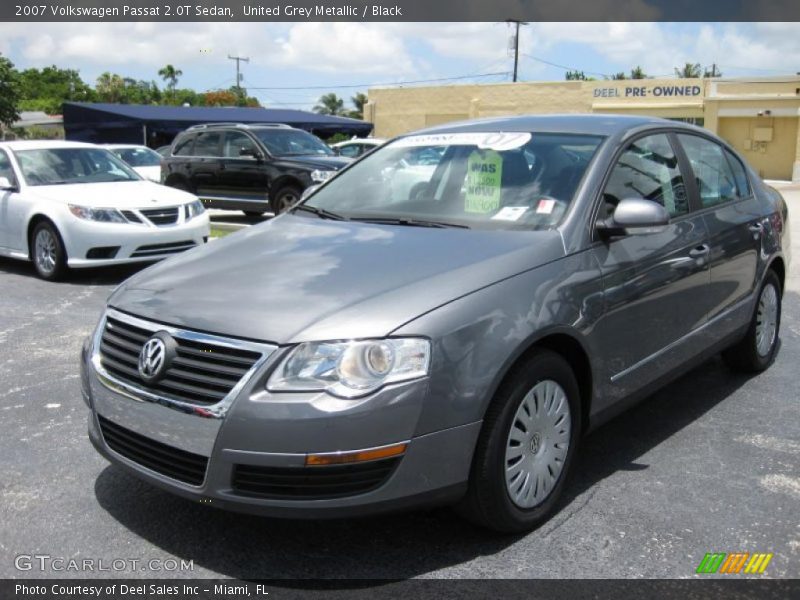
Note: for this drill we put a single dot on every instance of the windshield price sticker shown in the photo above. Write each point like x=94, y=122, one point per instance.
x=487, y=141
x=484, y=181
x=510, y=213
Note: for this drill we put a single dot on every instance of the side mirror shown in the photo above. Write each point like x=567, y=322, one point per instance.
x=6, y=185
x=635, y=216
x=251, y=153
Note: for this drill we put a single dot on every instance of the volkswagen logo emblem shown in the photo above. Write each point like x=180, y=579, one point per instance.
x=155, y=356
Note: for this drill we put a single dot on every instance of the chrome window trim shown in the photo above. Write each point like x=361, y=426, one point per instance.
x=213, y=411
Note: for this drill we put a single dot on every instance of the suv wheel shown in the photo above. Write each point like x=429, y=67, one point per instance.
x=527, y=446
x=756, y=351
x=284, y=197
x=47, y=252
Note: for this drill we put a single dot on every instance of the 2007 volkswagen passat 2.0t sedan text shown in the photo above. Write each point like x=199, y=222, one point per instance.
x=389, y=342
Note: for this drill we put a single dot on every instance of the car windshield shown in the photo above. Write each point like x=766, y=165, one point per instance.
x=138, y=157
x=292, y=142
x=59, y=166
x=476, y=180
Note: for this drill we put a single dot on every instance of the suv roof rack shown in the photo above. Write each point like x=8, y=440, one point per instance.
x=242, y=125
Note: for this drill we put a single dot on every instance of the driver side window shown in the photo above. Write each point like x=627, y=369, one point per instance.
x=647, y=169
x=6, y=170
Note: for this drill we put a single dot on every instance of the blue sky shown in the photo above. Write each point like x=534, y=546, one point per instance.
x=327, y=55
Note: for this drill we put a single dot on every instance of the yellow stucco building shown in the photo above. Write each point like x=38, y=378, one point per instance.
x=758, y=116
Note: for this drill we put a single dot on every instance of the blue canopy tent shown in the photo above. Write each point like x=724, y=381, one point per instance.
x=158, y=125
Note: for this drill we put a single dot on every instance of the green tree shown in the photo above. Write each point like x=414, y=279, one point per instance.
x=170, y=75
x=713, y=72
x=688, y=71
x=110, y=87
x=638, y=73
x=330, y=104
x=9, y=91
x=618, y=76
x=575, y=76
x=48, y=88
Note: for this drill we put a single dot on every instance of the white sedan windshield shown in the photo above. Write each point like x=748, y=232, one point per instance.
x=60, y=166
x=487, y=180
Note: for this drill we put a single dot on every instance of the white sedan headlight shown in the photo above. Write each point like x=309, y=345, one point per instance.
x=193, y=209
x=321, y=176
x=351, y=369
x=101, y=215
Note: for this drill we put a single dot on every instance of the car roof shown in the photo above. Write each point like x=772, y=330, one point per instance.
x=43, y=144
x=605, y=125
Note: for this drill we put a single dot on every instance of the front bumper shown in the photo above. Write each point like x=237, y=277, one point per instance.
x=276, y=432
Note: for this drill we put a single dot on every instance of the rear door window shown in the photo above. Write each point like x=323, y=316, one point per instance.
x=715, y=180
x=739, y=174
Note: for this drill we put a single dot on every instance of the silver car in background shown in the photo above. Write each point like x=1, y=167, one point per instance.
x=368, y=351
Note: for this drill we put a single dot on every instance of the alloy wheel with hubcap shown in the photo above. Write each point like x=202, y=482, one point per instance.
x=527, y=445
x=284, y=198
x=48, y=253
x=766, y=320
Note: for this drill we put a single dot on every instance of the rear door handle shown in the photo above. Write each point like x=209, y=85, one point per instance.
x=700, y=251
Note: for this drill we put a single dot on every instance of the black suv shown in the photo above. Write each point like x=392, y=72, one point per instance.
x=252, y=168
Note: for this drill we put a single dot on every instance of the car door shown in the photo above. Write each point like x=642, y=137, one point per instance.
x=12, y=208
x=654, y=283
x=732, y=216
x=242, y=175
x=205, y=164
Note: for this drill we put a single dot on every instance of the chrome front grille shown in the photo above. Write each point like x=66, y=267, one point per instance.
x=203, y=372
x=161, y=216
x=159, y=249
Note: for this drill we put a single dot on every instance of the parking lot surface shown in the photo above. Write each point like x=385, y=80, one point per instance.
x=709, y=464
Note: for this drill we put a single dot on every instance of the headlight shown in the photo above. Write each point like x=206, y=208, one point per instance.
x=351, y=369
x=102, y=215
x=320, y=176
x=193, y=209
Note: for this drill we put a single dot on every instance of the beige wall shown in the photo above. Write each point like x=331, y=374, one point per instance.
x=728, y=107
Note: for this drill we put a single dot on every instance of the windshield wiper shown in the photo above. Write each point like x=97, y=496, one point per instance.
x=320, y=212
x=410, y=222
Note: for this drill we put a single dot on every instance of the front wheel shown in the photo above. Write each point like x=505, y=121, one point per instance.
x=527, y=446
x=756, y=351
x=47, y=252
x=284, y=197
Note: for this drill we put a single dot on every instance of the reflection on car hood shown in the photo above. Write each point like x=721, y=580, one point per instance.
x=120, y=194
x=299, y=278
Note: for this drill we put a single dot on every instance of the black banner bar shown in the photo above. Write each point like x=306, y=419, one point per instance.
x=399, y=10
x=733, y=588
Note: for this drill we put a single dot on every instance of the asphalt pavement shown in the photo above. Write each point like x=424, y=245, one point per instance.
x=709, y=464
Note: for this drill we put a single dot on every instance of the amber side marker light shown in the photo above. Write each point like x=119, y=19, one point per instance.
x=340, y=458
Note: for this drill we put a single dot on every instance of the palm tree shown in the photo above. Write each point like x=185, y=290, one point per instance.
x=170, y=75
x=689, y=71
x=618, y=76
x=330, y=104
x=638, y=73
x=359, y=100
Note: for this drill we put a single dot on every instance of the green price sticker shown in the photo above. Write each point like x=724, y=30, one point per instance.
x=484, y=180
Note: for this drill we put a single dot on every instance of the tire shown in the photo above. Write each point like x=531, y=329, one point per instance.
x=517, y=424
x=757, y=349
x=179, y=185
x=47, y=252
x=284, y=197
x=253, y=213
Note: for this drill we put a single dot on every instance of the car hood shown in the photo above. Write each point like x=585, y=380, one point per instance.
x=314, y=161
x=152, y=173
x=120, y=194
x=299, y=278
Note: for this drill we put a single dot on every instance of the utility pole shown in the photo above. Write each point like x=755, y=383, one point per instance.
x=516, y=44
x=238, y=59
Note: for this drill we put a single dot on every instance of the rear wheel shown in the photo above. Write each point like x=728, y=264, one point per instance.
x=284, y=197
x=47, y=252
x=756, y=351
x=527, y=446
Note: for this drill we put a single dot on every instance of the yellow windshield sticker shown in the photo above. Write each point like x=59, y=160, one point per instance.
x=484, y=181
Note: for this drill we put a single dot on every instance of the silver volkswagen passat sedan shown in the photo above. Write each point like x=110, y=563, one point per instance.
x=368, y=350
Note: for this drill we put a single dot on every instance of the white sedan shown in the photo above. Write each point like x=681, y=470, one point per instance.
x=143, y=160
x=71, y=205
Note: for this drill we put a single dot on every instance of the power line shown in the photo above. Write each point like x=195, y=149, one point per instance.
x=552, y=64
x=367, y=85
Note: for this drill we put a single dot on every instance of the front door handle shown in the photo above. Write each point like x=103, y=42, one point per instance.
x=756, y=227
x=700, y=251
